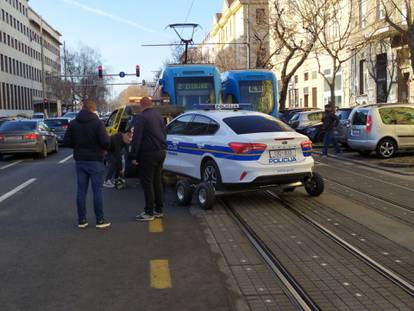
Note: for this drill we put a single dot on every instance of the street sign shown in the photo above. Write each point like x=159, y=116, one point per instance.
x=122, y=74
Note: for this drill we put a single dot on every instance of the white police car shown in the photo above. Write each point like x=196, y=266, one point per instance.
x=234, y=150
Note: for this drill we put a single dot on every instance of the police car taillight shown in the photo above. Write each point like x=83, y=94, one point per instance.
x=246, y=147
x=307, y=147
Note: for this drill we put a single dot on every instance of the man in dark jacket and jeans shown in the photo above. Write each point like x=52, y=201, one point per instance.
x=330, y=122
x=149, y=151
x=89, y=140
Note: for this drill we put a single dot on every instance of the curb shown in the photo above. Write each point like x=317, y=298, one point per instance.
x=397, y=165
x=378, y=167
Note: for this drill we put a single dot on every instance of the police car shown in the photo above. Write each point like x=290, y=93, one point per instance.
x=233, y=150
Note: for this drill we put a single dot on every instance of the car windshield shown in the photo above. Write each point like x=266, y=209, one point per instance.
x=193, y=91
x=295, y=117
x=256, y=124
x=56, y=122
x=259, y=94
x=360, y=117
x=18, y=126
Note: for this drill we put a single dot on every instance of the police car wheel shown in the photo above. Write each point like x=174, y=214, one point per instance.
x=315, y=185
x=205, y=195
x=183, y=192
x=210, y=174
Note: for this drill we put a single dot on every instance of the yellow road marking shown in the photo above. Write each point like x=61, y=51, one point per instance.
x=155, y=226
x=160, y=274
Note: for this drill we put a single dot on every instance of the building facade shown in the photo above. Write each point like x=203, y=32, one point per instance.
x=375, y=71
x=29, y=54
x=239, y=38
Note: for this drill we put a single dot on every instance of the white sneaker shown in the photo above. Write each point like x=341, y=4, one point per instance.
x=108, y=184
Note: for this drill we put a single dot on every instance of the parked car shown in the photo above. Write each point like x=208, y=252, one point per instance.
x=301, y=120
x=381, y=128
x=342, y=129
x=287, y=114
x=70, y=115
x=27, y=136
x=315, y=132
x=38, y=116
x=58, y=126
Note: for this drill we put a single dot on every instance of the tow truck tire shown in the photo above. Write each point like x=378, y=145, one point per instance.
x=206, y=195
x=315, y=185
x=183, y=192
x=210, y=173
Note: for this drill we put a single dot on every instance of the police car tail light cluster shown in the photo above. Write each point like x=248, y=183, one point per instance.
x=307, y=147
x=246, y=147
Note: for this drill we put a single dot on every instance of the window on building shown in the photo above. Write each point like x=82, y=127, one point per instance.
x=381, y=73
x=296, y=79
x=306, y=76
x=363, y=13
x=314, y=75
x=260, y=16
x=362, y=68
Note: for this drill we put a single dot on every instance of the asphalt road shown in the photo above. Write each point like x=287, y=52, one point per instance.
x=46, y=263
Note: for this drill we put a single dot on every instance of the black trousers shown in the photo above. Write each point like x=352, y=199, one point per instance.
x=150, y=164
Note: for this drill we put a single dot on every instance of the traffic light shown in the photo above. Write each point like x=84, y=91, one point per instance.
x=100, y=71
x=137, y=70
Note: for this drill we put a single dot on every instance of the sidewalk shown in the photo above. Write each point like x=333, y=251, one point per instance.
x=402, y=163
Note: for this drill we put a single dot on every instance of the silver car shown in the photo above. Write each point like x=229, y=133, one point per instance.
x=303, y=119
x=27, y=136
x=381, y=128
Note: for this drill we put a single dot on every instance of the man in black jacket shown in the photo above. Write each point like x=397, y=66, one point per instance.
x=149, y=151
x=330, y=123
x=89, y=140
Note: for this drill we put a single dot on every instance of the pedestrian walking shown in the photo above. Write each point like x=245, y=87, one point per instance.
x=87, y=136
x=330, y=123
x=148, y=150
x=114, y=158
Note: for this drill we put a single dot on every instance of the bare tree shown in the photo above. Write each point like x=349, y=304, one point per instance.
x=399, y=14
x=382, y=47
x=290, y=23
x=336, y=32
x=81, y=74
x=131, y=91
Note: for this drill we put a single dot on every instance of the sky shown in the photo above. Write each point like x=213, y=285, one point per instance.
x=117, y=29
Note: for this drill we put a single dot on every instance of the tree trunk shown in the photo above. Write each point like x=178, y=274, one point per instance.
x=283, y=94
x=332, y=89
x=410, y=41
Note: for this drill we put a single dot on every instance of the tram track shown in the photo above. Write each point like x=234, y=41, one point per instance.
x=294, y=291
x=378, y=267
x=298, y=287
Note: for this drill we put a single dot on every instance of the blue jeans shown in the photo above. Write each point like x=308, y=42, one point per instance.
x=330, y=138
x=93, y=171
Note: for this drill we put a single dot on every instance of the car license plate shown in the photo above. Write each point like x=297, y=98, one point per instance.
x=282, y=155
x=356, y=132
x=12, y=138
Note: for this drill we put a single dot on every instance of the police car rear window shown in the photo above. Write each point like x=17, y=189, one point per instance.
x=255, y=124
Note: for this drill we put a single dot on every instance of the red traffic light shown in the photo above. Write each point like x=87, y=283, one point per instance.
x=100, y=71
x=137, y=70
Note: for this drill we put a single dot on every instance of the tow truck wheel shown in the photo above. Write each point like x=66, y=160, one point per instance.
x=315, y=185
x=210, y=173
x=205, y=195
x=183, y=192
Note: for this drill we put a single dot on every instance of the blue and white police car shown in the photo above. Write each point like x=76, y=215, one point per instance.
x=236, y=150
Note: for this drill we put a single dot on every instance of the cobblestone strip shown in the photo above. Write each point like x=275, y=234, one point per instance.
x=333, y=278
x=385, y=208
x=376, y=246
x=256, y=282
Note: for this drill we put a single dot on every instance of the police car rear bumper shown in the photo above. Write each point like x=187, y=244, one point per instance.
x=269, y=181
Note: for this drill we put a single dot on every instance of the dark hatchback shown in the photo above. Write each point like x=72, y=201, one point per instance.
x=58, y=126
